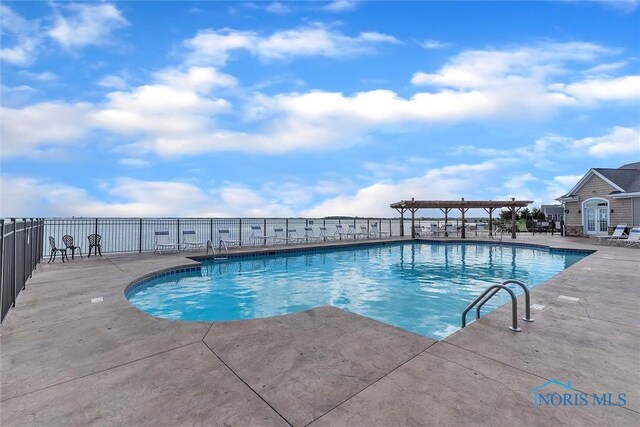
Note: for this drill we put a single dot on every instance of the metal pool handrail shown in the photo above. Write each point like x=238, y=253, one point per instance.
x=514, y=306
x=527, y=299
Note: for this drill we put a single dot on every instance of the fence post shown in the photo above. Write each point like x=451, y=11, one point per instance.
x=390, y=234
x=24, y=253
x=15, y=264
x=178, y=236
x=210, y=233
x=96, y=227
x=140, y=240
x=264, y=231
x=1, y=265
x=240, y=231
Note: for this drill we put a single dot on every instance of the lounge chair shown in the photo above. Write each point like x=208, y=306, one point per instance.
x=432, y=230
x=55, y=250
x=449, y=229
x=309, y=236
x=375, y=232
x=417, y=230
x=617, y=234
x=633, y=239
x=224, y=239
x=257, y=236
x=163, y=242
x=341, y=233
x=190, y=241
x=68, y=243
x=94, y=243
x=280, y=236
x=324, y=234
x=480, y=230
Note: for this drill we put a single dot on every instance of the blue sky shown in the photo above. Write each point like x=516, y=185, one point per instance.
x=309, y=108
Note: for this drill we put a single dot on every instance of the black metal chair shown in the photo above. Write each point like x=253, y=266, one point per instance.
x=68, y=243
x=55, y=250
x=94, y=243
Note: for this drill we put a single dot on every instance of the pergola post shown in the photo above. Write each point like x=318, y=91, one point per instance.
x=490, y=212
x=462, y=211
x=401, y=210
x=413, y=223
x=446, y=216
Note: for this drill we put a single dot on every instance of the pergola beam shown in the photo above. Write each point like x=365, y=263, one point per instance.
x=463, y=205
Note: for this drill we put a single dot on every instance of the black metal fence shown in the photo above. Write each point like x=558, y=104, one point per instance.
x=137, y=234
x=21, y=246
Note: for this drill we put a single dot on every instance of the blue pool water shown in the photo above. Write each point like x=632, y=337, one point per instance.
x=420, y=287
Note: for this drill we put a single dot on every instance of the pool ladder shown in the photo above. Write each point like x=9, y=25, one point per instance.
x=223, y=244
x=491, y=291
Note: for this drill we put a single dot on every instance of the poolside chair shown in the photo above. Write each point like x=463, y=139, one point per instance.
x=190, y=241
x=68, y=243
x=480, y=230
x=417, y=230
x=449, y=229
x=633, y=239
x=309, y=236
x=257, y=236
x=617, y=234
x=324, y=235
x=163, y=242
x=55, y=250
x=279, y=235
x=292, y=235
x=94, y=243
x=224, y=239
x=340, y=232
x=375, y=231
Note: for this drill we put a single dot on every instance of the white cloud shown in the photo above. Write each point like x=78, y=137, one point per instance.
x=134, y=162
x=605, y=89
x=620, y=141
x=278, y=8
x=445, y=183
x=44, y=77
x=338, y=6
x=214, y=46
x=28, y=130
x=113, y=82
x=433, y=44
x=77, y=24
x=20, y=38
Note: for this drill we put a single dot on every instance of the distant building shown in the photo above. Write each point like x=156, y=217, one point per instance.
x=602, y=199
x=553, y=212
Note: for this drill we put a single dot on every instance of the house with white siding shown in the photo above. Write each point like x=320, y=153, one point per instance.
x=602, y=199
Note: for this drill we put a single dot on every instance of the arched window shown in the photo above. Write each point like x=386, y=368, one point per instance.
x=595, y=216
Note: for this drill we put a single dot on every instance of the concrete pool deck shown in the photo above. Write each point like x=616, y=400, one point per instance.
x=67, y=361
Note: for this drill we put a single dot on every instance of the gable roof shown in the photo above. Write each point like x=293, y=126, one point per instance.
x=625, y=179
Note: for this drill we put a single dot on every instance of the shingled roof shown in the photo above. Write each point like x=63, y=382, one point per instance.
x=626, y=178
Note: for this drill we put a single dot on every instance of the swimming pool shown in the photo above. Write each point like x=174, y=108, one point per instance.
x=422, y=287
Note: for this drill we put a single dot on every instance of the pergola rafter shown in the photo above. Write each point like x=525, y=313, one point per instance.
x=463, y=205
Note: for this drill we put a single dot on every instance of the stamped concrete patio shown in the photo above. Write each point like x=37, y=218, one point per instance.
x=68, y=361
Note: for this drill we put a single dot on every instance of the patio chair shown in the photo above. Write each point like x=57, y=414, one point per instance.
x=449, y=229
x=257, y=236
x=94, y=243
x=340, y=232
x=617, y=234
x=55, y=250
x=292, y=235
x=163, y=242
x=190, y=241
x=375, y=231
x=417, y=230
x=225, y=240
x=68, y=243
x=480, y=230
x=633, y=239
x=309, y=235
x=280, y=236
x=324, y=235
